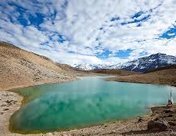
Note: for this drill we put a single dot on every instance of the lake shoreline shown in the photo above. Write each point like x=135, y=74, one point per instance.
x=108, y=128
x=148, y=78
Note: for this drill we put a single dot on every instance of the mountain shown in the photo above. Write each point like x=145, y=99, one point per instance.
x=19, y=68
x=143, y=64
x=146, y=64
x=88, y=67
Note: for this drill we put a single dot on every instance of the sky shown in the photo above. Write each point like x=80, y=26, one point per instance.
x=90, y=31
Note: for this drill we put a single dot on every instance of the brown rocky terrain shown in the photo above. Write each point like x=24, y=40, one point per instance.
x=114, y=72
x=165, y=75
x=20, y=68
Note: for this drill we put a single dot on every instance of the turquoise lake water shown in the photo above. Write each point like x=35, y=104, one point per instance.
x=85, y=102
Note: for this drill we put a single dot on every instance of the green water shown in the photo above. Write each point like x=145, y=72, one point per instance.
x=88, y=101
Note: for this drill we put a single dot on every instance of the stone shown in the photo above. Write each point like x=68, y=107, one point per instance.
x=5, y=109
x=158, y=125
x=172, y=123
x=140, y=119
x=168, y=111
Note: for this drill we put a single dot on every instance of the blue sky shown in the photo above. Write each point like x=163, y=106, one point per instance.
x=90, y=31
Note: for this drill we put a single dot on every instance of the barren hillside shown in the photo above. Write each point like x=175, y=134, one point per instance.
x=20, y=68
x=114, y=72
x=159, y=76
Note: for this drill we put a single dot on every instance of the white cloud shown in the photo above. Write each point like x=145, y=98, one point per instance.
x=88, y=28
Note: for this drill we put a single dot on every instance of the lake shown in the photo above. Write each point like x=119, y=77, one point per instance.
x=85, y=102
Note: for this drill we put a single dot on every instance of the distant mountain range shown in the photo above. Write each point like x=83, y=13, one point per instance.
x=86, y=66
x=149, y=63
x=143, y=64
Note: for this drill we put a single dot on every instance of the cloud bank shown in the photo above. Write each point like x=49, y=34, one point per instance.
x=90, y=31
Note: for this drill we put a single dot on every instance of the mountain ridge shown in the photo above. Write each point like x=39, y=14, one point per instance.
x=143, y=64
x=151, y=62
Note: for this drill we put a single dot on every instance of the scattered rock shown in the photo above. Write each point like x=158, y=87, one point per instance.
x=172, y=123
x=170, y=115
x=5, y=95
x=158, y=125
x=140, y=119
x=10, y=101
x=112, y=132
x=105, y=126
x=168, y=111
x=3, y=105
x=5, y=109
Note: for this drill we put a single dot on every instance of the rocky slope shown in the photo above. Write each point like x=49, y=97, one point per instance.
x=19, y=68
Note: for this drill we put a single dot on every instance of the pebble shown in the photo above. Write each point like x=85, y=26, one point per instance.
x=5, y=109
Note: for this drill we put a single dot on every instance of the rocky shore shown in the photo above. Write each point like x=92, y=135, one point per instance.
x=9, y=103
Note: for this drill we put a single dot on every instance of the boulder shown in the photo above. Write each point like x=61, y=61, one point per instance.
x=168, y=111
x=158, y=125
x=140, y=119
x=172, y=123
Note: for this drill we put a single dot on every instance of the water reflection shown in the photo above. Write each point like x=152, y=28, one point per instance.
x=84, y=102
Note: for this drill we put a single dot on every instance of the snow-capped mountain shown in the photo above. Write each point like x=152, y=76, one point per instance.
x=95, y=66
x=86, y=66
x=143, y=64
x=148, y=63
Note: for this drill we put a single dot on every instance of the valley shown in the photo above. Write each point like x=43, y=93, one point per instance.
x=19, y=69
x=87, y=68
